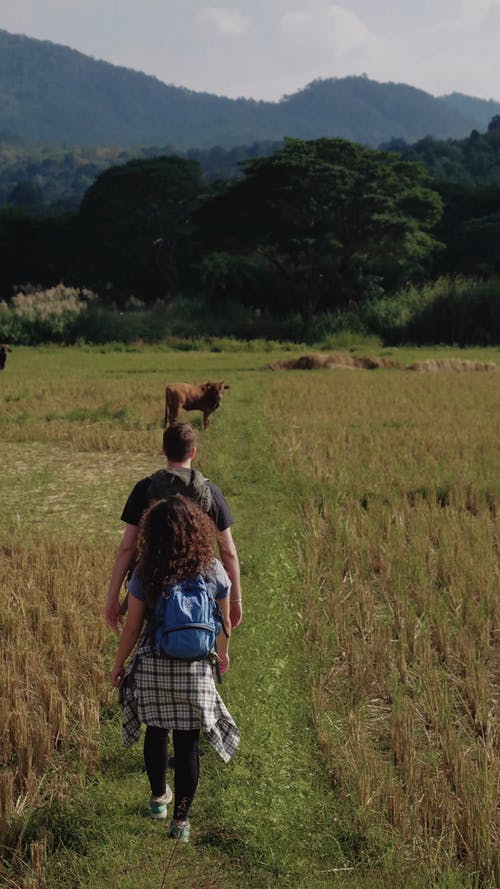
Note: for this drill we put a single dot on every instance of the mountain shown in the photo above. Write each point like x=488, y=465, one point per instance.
x=481, y=110
x=50, y=94
x=363, y=110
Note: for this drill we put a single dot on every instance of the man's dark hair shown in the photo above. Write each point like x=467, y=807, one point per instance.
x=178, y=441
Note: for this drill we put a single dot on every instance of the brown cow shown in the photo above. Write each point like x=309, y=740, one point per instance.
x=205, y=398
x=3, y=355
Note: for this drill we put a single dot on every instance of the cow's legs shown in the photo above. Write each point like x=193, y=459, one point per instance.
x=172, y=408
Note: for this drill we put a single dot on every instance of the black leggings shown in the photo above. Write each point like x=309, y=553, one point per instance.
x=187, y=765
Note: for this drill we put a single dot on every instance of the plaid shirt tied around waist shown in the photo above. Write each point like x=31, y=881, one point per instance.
x=175, y=694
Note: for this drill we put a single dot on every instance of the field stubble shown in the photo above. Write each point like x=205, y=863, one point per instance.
x=399, y=487
x=52, y=682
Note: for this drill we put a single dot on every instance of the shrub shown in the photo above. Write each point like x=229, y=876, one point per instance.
x=35, y=316
x=450, y=310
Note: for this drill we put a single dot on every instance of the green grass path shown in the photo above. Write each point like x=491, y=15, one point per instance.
x=266, y=818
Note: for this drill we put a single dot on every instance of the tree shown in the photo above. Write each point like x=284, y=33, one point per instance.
x=231, y=278
x=38, y=250
x=329, y=217
x=470, y=230
x=134, y=229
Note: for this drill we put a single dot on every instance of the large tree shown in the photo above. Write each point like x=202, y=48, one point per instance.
x=36, y=250
x=329, y=217
x=470, y=229
x=134, y=229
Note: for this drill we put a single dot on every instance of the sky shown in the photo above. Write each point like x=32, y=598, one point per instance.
x=264, y=49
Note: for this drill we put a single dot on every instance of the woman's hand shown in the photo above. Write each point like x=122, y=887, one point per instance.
x=116, y=676
x=112, y=614
x=223, y=663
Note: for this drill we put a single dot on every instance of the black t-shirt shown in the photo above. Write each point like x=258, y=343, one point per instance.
x=137, y=502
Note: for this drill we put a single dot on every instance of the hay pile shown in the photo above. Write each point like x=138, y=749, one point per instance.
x=369, y=363
x=335, y=360
x=305, y=362
x=460, y=366
x=313, y=361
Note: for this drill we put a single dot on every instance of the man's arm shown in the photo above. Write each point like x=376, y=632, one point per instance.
x=229, y=558
x=124, y=555
x=128, y=638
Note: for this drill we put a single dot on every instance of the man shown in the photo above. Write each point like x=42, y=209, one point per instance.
x=179, y=448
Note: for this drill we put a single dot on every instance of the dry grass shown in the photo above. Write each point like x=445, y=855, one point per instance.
x=401, y=494
x=53, y=680
x=68, y=492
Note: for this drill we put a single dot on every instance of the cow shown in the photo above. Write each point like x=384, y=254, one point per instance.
x=185, y=396
x=3, y=355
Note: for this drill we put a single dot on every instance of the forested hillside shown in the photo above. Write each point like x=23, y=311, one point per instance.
x=482, y=110
x=50, y=94
x=474, y=161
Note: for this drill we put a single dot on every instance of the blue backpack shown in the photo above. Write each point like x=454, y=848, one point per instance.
x=187, y=620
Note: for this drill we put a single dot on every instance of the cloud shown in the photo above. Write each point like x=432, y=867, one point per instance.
x=451, y=49
x=332, y=27
x=473, y=13
x=469, y=17
x=228, y=22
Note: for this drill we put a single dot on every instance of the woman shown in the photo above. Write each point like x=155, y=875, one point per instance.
x=175, y=544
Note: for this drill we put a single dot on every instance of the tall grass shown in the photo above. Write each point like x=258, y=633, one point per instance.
x=52, y=676
x=399, y=488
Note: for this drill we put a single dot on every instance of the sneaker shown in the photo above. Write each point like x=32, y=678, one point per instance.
x=180, y=831
x=158, y=804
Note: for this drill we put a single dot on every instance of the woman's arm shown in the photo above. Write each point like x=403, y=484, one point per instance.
x=130, y=634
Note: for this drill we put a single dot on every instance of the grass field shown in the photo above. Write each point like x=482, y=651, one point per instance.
x=365, y=675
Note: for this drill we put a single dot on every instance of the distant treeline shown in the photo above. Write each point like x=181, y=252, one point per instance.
x=474, y=161
x=47, y=180
x=44, y=180
x=313, y=235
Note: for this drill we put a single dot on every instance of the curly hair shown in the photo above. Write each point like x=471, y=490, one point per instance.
x=176, y=541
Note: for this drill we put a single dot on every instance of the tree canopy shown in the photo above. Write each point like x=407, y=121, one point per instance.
x=328, y=218
x=133, y=223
